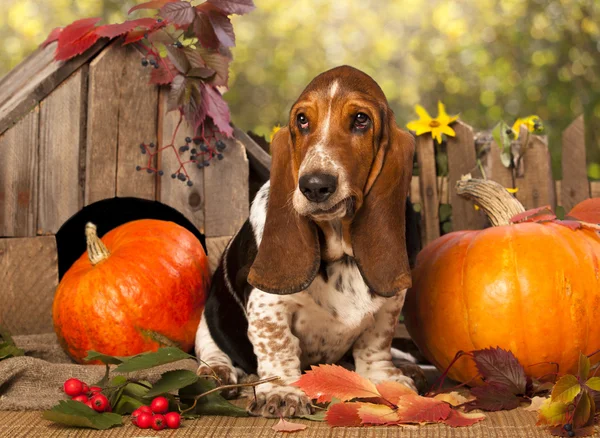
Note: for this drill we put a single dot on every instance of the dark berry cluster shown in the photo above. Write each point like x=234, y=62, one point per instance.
x=150, y=61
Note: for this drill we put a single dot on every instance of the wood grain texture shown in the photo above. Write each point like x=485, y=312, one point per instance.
x=260, y=161
x=494, y=169
x=137, y=123
x=18, y=177
x=430, y=214
x=62, y=138
x=35, y=80
x=536, y=187
x=215, y=247
x=575, y=186
x=226, y=205
x=187, y=200
x=29, y=276
x=462, y=160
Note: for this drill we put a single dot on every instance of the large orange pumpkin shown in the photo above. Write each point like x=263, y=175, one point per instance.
x=141, y=287
x=532, y=288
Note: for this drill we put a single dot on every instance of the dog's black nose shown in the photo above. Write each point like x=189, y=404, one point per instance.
x=318, y=187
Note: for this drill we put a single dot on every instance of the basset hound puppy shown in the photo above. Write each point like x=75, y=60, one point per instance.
x=320, y=268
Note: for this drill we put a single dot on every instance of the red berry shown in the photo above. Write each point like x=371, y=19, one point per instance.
x=95, y=389
x=100, y=403
x=173, y=420
x=73, y=387
x=144, y=420
x=85, y=389
x=158, y=422
x=80, y=398
x=160, y=405
x=145, y=409
x=134, y=416
x=89, y=404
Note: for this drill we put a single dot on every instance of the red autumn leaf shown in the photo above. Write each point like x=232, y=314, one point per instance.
x=164, y=74
x=324, y=382
x=501, y=367
x=583, y=414
x=459, y=419
x=370, y=413
x=218, y=62
x=181, y=13
x=573, y=225
x=222, y=28
x=393, y=391
x=216, y=108
x=200, y=72
x=539, y=214
x=203, y=29
x=115, y=30
x=492, y=397
x=287, y=426
x=76, y=38
x=417, y=409
x=194, y=105
x=586, y=211
x=343, y=415
x=52, y=36
x=154, y=4
x=176, y=93
x=178, y=58
x=238, y=7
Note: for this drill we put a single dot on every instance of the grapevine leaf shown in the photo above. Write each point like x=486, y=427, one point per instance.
x=552, y=413
x=52, y=36
x=461, y=419
x=392, y=391
x=117, y=29
x=172, y=380
x=370, y=413
x=200, y=72
x=154, y=4
x=288, y=426
x=593, y=383
x=178, y=58
x=180, y=13
x=583, y=369
x=204, y=31
x=493, y=397
x=238, y=7
x=583, y=411
x=104, y=358
x=151, y=359
x=76, y=38
x=454, y=398
x=539, y=214
x=219, y=63
x=417, y=409
x=566, y=389
x=194, y=109
x=586, y=211
x=536, y=404
x=573, y=225
x=344, y=415
x=324, y=382
x=503, y=141
x=176, y=93
x=222, y=28
x=501, y=367
x=73, y=413
x=164, y=74
x=216, y=108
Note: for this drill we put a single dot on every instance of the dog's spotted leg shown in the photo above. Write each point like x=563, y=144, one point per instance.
x=278, y=354
x=372, y=350
x=214, y=361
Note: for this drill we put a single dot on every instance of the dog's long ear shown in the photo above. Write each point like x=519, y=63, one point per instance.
x=378, y=229
x=288, y=256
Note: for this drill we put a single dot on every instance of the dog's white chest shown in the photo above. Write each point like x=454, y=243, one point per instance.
x=330, y=316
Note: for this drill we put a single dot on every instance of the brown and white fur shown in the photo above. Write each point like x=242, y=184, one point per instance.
x=320, y=268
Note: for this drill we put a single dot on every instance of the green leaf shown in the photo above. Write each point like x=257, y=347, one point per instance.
x=566, y=389
x=553, y=414
x=127, y=404
x=135, y=390
x=502, y=139
x=583, y=410
x=593, y=383
x=9, y=350
x=584, y=367
x=5, y=336
x=172, y=380
x=151, y=359
x=104, y=358
x=212, y=404
x=72, y=413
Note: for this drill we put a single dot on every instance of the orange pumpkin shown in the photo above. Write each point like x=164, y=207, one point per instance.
x=532, y=288
x=141, y=287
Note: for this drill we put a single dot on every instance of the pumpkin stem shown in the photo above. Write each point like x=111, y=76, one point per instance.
x=499, y=205
x=96, y=250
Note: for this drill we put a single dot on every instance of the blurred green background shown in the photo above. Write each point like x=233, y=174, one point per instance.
x=487, y=60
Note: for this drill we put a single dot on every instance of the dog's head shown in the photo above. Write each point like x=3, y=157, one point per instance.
x=341, y=157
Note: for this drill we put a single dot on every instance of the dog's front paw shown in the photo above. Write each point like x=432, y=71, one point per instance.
x=226, y=375
x=275, y=401
x=390, y=373
x=416, y=374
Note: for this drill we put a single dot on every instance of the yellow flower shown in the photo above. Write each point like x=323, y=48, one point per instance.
x=508, y=189
x=273, y=131
x=437, y=126
x=533, y=124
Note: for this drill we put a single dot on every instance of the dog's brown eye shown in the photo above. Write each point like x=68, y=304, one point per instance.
x=302, y=121
x=361, y=121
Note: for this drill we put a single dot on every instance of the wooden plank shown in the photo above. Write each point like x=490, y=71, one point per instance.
x=595, y=189
x=575, y=186
x=36, y=87
x=187, y=200
x=137, y=123
x=215, y=247
x=494, y=169
x=29, y=275
x=428, y=189
x=259, y=160
x=536, y=187
x=105, y=75
x=462, y=160
x=18, y=177
x=62, y=137
x=226, y=203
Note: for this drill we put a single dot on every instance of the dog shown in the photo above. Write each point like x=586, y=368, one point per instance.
x=320, y=268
